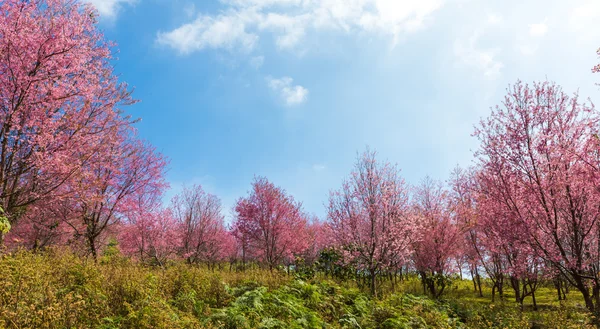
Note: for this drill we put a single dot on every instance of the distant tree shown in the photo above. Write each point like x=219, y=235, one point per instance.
x=221, y=246
x=369, y=219
x=271, y=223
x=200, y=222
x=440, y=236
x=318, y=239
x=464, y=204
x=480, y=240
x=507, y=236
x=149, y=233
x=242, y=243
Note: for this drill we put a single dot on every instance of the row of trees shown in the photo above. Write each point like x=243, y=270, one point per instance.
x=527, y=210
x=73, y=172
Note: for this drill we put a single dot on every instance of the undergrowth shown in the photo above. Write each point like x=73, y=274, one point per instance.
x=57, y=289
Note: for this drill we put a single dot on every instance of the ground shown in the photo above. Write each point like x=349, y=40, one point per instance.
x=58, y=289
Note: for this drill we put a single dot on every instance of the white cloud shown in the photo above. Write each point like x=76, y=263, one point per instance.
x=257, y=62
x=223, y=31
x=483, y=60
x=494, y=19
x=538, y=30
x=319, y=167
x=528, y=49
x=290, y=21
x=109, y=8
x=189, y=9
x=584, y=19
x=291, y=94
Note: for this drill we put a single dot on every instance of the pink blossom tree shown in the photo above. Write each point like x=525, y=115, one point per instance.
x=58, y=98
x=369, y=217
x=242, y=241
x=440, y=236
x=149, y=232
x=221, y=247
x=508, y=236
x=271, y=223
x=318, y=238
x=480, y=240
x=110, y=187
x=537, y=149
x=41, y=226
x=200, y=221
x=463, y=202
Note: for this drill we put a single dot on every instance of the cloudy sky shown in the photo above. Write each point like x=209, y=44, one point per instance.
x=292, y=89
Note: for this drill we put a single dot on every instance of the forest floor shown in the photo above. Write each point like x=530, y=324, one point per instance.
x=57, y=289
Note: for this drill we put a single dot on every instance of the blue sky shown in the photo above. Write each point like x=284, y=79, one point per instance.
x=292, y=89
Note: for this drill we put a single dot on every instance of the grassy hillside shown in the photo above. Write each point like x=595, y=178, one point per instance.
x=57, y=289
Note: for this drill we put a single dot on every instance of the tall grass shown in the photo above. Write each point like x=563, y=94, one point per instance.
x=57, y=289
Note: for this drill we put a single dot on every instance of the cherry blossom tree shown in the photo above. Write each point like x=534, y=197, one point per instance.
x=110, y=187
x=480, y=241
x=41, y=227
x=464, y=204
x=507, y=236
x=440, y=236
x=272, y=223
x=149, y=232
x=538, y=147
x=58, y=98
x=222, y=247
x=318, y=238
x=369, y=217
x=242, y=241
x=199, y=218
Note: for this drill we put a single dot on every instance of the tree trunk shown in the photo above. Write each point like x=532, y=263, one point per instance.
x=596, y=300
x=589, y=301
x=373, y=283
x=477, y=281
x=516, y=285
x=500, y=283
x=479, y=285
x=557, y=285
x=93, y=248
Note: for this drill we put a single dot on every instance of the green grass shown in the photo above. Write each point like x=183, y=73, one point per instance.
x=57, y=289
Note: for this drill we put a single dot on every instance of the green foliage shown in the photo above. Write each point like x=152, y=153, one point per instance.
x=4, y=224
x=330, y=263
x=57, y=289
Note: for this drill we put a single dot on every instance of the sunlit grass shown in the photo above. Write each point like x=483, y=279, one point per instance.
x=57, y=289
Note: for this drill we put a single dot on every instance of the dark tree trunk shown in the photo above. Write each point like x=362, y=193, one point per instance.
x=478, y=280
x=373, y=286
x=557, y=285
x=93, y=248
